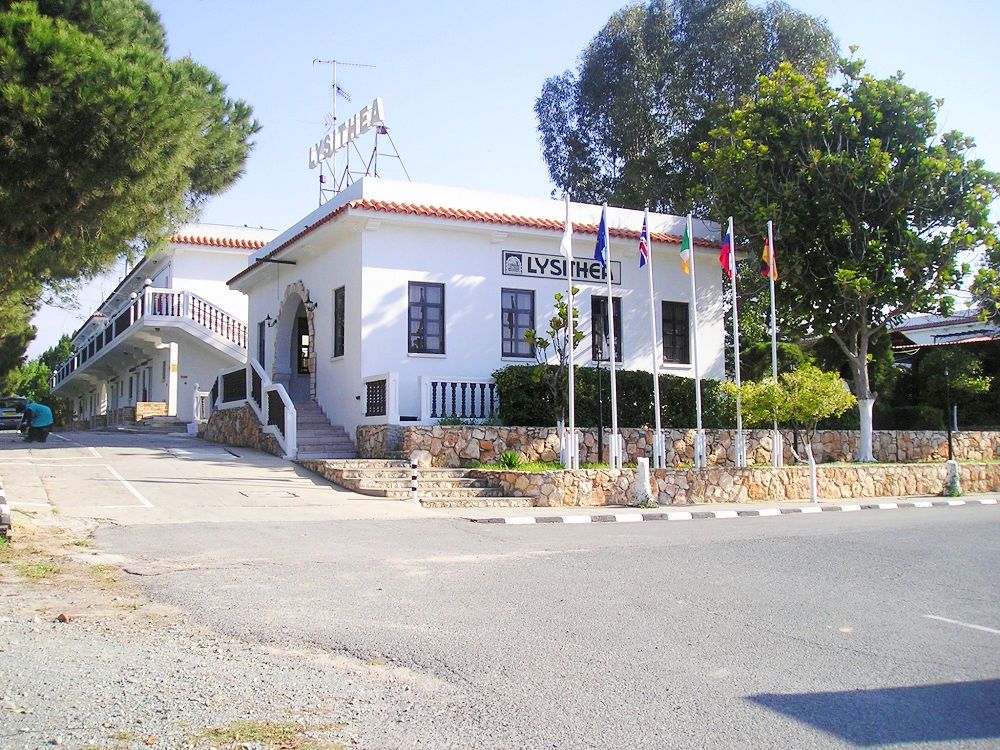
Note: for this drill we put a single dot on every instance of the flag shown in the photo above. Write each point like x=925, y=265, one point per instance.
x=686, y=252
x=770, y=268
x=643, y=244
x=724, y=256
x=601, y=250
x=566, y=245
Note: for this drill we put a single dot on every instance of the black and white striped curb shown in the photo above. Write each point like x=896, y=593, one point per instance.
x=690, y=515
x=4, y=513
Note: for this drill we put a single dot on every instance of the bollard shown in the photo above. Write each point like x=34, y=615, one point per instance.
x=413, y=483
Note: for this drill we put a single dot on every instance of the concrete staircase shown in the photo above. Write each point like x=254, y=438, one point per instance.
x=317, y=438
x=436, y=488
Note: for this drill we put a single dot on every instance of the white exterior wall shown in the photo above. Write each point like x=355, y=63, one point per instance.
x=204, y=271
x=468, y=261
x=375, y=254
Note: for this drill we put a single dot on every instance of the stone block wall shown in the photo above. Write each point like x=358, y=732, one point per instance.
x=147, y=409
x=730, y=485
x=468, y=444
x=240, y=427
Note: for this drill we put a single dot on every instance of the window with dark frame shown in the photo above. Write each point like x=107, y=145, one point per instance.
x=517, y=315
x=599, y=338
x=338, y=322
x=425, y=319
x=676, y=334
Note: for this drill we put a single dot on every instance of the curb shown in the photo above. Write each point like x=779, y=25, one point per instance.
x=684, y=515
x=4, y=513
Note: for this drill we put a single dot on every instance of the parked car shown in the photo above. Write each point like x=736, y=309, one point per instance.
x=11, y=411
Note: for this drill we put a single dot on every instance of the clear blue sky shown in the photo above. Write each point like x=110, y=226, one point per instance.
x=459, y=82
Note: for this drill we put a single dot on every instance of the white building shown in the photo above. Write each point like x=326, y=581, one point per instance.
x=165, y=331
x=395, y=302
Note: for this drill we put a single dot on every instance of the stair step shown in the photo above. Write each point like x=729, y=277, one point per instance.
x=477, y=502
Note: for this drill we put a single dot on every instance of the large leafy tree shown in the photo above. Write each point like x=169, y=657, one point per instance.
x=106, y=143
x=871, y=204
x=653, y=83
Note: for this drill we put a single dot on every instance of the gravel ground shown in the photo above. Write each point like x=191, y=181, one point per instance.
x=122, y=672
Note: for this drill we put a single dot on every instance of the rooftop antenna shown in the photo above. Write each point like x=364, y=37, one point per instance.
x=336, y=91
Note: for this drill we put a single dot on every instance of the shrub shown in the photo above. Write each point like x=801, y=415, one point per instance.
x=509, y=460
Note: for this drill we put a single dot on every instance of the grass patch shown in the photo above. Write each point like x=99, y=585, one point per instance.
x=105, y=573
x=540, y=466
x=87, y=543
x=36, y=570
x=271, y=734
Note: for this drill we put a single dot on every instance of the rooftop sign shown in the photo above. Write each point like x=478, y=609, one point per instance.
x=347, y=131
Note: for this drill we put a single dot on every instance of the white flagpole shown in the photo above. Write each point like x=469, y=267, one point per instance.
x=741, y=446
x=659, y=452
x=699, y=435
x=777, y=444
x=615, y=444
x=573, y=448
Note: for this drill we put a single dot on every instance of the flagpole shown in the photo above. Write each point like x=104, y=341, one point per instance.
x=777, y=444
x=699, y=435
x=615, y=444
x=659, y=452
x=741, y=446
x=573, y=448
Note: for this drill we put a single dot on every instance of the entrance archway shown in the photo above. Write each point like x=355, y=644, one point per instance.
x=294, y=360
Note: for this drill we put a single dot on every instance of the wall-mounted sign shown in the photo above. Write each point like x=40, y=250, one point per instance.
x=589, y=271
x=347, y=131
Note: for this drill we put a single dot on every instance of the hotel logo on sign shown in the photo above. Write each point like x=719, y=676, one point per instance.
x=586, y=270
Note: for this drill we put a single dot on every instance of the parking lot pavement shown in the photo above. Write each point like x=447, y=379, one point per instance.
x=143, y=479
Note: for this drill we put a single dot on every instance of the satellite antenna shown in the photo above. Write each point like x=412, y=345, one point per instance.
x=336, y=90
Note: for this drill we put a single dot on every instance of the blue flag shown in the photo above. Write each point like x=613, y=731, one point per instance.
x=601, y=251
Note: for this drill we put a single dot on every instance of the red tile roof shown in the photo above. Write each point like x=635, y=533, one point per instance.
x=486, y=217
x=204, y=239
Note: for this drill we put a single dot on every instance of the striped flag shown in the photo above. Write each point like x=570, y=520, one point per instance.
x=724, y=256
x=686, y=253
x=644, y=244
x=770, y=268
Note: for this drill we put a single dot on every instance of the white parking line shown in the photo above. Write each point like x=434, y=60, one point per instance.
x=964, y=624
x=111, y=470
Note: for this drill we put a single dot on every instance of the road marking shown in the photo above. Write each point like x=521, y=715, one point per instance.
x=954, y=502
x=124, y=482
x=964, y=624
x=988, y=501
x=521, y=519
x=810, y=509
x=849, y=508
x=682, y=515
x=923, y=504
x=576, y=519
x=726, y=514
x=769, y=512
x=128, y=486
x=887, y=506
x=627, y=517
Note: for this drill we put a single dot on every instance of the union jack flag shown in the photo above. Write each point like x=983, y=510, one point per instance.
x=643, y=244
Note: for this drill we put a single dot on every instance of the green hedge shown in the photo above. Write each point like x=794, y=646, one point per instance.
x=523, y=399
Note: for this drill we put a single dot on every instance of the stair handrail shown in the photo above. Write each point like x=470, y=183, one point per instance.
x=288, y=440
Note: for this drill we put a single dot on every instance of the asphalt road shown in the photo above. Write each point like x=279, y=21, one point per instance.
x=873, y=629
x=877, y=629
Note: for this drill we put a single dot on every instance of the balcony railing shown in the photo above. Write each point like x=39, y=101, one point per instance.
x=155, y=306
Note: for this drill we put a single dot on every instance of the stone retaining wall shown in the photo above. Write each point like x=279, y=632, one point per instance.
x=590, y=487
x=464, y=445
x=240, y=427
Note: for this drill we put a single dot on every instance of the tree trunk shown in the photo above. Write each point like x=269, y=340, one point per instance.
x=865, y=451
x=812, y=472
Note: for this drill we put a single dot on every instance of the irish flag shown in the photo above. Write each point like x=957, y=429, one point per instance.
x=686, y=253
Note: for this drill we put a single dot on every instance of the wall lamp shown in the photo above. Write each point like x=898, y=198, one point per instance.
x=309, y=304
x=270, y=322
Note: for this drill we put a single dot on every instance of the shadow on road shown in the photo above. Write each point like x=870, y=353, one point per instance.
x=921, y=713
